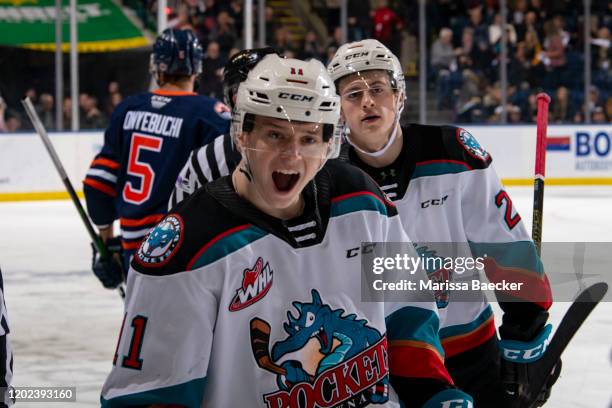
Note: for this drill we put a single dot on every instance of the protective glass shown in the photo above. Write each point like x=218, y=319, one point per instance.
x=304, y=139
x=376, y=92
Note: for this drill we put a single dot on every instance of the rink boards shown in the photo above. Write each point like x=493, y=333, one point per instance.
x=576, y=155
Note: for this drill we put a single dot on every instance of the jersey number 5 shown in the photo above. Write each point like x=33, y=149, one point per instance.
x=511, y=220
x=137, y=168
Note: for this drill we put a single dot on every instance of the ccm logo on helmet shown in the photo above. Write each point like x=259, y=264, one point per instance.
x=356, y=55
x=295, y=97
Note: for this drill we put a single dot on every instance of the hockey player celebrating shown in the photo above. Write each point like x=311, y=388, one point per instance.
x=445, y=190
x=219, y=157
x=148, y=140
x=260, y=257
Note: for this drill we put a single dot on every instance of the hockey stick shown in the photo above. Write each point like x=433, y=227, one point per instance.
x=260, y=344
x=540, y=171
x=40, y=129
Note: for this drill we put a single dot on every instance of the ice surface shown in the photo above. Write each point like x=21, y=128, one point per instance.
x=64, y=325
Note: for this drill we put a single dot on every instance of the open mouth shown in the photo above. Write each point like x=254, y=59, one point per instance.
x=285, y=180
x=370, y=118
x=322, y=338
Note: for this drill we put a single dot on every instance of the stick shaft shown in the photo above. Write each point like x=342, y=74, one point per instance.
x=540, y=170
x=42, y=132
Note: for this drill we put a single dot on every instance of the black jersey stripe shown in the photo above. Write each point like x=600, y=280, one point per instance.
x=195, y=165
x=212, y=161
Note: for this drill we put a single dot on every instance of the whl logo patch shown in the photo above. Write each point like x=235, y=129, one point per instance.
x=256, y=282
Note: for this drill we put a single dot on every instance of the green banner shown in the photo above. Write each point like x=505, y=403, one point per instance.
x=102, y=26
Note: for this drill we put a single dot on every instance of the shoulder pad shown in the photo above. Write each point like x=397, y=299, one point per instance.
x=463, y=146
x=350, y=181
x=170, y=247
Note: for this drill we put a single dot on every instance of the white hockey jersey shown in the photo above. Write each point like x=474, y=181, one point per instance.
x=446, y=191
x=225, y=308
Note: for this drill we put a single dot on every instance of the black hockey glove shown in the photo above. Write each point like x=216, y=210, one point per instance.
x=521, y=348
x=109, y=271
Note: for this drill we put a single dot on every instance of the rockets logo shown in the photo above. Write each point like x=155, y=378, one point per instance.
x=472, y=146
x=327, y=359
x=162, y=242
x=256, y=282
x=436, y=275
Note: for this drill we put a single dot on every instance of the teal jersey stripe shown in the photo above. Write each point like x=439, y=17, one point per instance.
x=229, y=244
x=356, y=203
x=438, y=169
x=460, y=329
x=518, y=254
x=414, y=323
x=188, y=394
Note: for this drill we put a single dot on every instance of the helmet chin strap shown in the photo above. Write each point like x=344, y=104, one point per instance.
x=391, y=139
x=383, y=150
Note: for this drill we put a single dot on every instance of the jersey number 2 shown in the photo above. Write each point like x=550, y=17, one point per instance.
x=140, y=169
x=132, y=359
x=511, y=221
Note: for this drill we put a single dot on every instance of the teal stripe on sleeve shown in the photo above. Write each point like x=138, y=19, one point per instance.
x=414, y=323
x=357, y=203
x=229, y=244
x=438, y=169
x=188, y=394
x=460, y=329
x=518, y=254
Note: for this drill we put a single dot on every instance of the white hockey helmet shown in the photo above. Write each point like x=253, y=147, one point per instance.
x=366, y=55
x=293, y=90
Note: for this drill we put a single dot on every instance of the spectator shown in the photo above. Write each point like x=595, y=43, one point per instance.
x=599, y=115
x=514, y=114
x=555, y=50
x=113, y=98
x=464, y=52
x=311, y=47
x=236, y=13
x=558, y=23
x=562, y=111
x=578, y=117
x=92, y=118
x=387, y=26
x=45, y=111
x=13, y=121
x=182, y=21
x=495, y=33
x=518, y=18
x=282, y=40
x=518, y=71
x=211, y=80
x=442, y=53
x=67, y=111
x=359, y=20
x=2, y=112
x=609, y=107
x=533, y=53
x=481, y=35
x=333, y=12
x=602, y=52
x=225, y=35
x=271, y=25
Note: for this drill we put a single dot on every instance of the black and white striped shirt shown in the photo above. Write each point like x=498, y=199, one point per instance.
x=216, y=159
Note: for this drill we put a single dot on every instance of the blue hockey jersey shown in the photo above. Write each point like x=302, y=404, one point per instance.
x=148, y=141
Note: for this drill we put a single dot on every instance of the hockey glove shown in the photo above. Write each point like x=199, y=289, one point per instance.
x=517, y=360
x=109, y=271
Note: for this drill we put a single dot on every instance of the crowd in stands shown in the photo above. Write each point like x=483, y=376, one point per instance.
x=92, y=113
x=545, y=46
x=545, y=49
